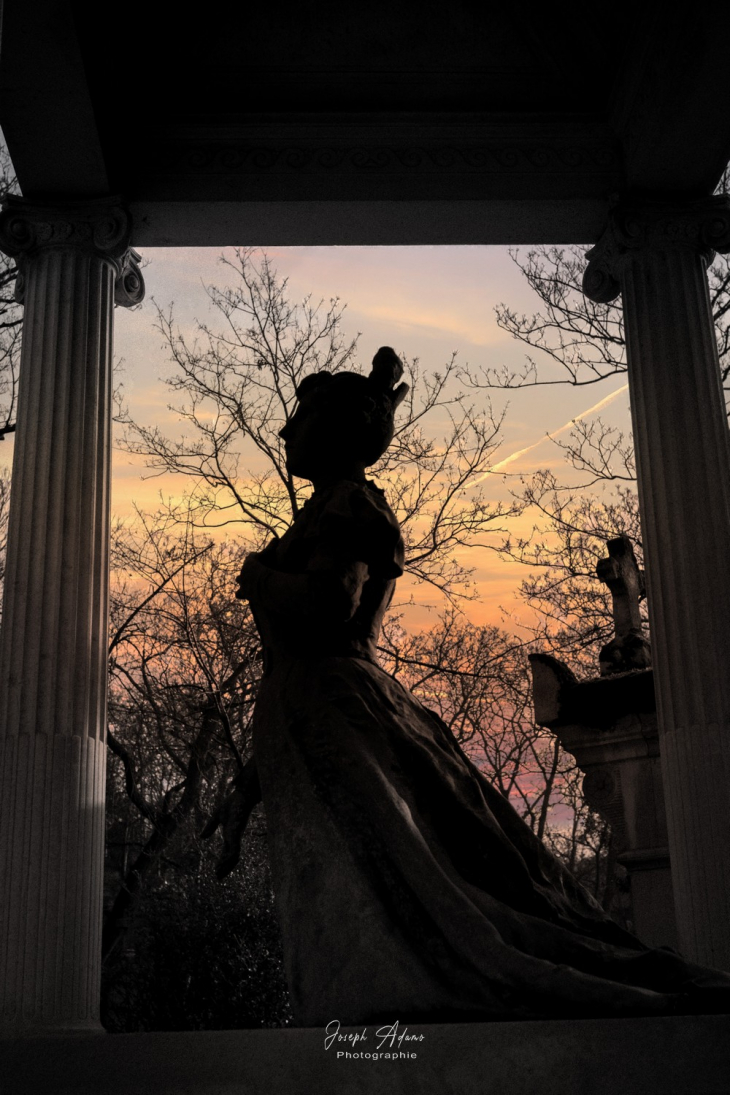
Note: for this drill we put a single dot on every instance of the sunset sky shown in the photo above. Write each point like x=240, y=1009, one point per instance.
x=427, y=302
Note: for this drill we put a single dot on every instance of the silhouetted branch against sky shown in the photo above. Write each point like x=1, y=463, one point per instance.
x=233, y=386
x=11, y=315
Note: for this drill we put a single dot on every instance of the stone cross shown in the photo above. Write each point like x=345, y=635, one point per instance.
x=621, y=574
x=630, y=648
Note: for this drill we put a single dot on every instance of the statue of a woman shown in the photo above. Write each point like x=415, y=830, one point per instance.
x=407, y=886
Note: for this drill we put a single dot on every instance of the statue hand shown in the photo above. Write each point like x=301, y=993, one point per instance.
x=251, y=569
x=247, y=578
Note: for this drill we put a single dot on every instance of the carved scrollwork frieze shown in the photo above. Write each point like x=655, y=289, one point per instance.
x=102, y=227
x=701, y=226
x=245, y=157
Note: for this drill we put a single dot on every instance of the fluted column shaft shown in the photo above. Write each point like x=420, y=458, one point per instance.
x=53, y=667
x=657, y=255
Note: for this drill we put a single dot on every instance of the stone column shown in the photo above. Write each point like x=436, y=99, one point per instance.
x=74, y=261
x=656, y=255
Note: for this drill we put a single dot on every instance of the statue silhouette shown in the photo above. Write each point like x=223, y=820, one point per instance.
x=407, y=886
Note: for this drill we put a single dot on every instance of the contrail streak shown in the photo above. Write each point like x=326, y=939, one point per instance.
x=555, y=433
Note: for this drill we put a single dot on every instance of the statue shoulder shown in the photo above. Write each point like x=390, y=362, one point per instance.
x=359, y=523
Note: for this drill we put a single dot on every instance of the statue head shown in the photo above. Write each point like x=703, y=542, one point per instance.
x=344, y=421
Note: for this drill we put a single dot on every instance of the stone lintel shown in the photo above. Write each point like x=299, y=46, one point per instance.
x=341, y=221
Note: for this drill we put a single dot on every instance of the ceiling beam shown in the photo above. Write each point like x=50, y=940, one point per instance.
x=45, y=107
x=671, y=108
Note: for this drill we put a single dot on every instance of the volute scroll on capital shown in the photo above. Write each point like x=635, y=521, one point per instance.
x=101, y=226
x=701, y=226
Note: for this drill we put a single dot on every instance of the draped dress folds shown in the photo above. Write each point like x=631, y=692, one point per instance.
x=407, y=886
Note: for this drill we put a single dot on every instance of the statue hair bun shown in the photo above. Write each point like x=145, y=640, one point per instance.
x=387, y=369
x=314, y=380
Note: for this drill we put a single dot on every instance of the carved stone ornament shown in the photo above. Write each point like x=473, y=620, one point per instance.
x=702, y=226
x=602, y=791
x=102, y=227
x=600, y=786
x=495, y=157
x=129, y=285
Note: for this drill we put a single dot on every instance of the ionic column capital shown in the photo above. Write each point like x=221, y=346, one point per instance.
x=100, y=227
x=700, y=227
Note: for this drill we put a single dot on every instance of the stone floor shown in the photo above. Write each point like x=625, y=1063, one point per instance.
x=669, y=1056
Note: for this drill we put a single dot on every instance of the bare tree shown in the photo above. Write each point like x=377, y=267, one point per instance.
x=572, y=611
x=184, y=679
x=171, y=699
x=185, y=660
x=234, y=388
x=11, y=316
x=571, y=339
x=183, y=672
x=184, y=667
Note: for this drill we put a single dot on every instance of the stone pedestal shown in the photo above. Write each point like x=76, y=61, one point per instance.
x=73, y=261
x=675, y=1055
x=656, y=254
x=609, y=725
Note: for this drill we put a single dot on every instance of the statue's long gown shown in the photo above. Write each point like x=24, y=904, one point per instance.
x=407, y=886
